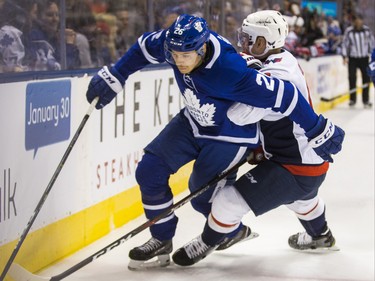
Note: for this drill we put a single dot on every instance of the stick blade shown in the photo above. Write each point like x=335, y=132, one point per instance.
x=18, y=273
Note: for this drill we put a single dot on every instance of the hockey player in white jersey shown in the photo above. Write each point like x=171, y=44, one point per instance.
x=211, y=76
x=292, y=172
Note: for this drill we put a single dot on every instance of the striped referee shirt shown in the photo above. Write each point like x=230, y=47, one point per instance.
x=357, y=43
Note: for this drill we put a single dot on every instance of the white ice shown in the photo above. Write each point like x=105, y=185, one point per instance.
x=349, y=196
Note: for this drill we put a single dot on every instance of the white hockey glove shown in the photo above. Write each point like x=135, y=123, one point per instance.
x=242, y=114
x=251, y=61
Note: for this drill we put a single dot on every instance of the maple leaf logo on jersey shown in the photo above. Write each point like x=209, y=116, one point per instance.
x=6, y=41
x=202, y=114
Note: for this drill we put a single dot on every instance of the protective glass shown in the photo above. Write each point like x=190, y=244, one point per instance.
x=245, y=41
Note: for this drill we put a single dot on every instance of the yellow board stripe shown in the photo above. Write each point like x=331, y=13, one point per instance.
x=52, y=243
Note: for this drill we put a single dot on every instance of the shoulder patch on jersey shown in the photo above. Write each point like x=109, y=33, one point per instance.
x=275, y=60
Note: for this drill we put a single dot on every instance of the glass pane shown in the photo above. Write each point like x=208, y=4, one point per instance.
x=15, y=27
x=105, y=29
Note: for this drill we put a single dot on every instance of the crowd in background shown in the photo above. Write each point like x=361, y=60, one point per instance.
x=34, y=36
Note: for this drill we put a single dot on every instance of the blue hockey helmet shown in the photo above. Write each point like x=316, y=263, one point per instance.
x=187, y=33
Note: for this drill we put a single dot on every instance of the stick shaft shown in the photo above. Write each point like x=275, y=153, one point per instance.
x=47, y=190
x=148, y=223
x=342, y=95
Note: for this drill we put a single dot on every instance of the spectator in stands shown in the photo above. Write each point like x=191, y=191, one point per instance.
x=231, y=26
x=45, y=39
x=334, y=36
x=263, y=5
x=123, y=39
x=312, y=31
x=169, y=19
x=128, y=25
x=321, y=21
x=80, y=19
x=292, y=40
x=14, y=22
x=358, y=43
x=104, y=51
x=291, y=8
x=106, y=31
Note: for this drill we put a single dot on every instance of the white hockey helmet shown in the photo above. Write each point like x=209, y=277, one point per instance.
x=269, y=24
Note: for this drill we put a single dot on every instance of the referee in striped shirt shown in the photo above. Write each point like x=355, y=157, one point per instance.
x=358, y=43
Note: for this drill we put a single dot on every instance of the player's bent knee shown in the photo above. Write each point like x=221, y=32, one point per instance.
x=202, y=207
x=229, y=206
x=152, y=173
x=308, y=209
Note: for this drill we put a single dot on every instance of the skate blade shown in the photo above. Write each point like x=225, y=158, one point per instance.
x=334, y=248
x=251, y=236
x=158, y=261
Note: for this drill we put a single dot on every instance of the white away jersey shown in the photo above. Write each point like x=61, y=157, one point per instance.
x=283, y=140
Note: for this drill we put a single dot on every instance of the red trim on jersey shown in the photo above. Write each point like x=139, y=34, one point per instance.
x=220, y=223
x=307, y=170
x=308, y=89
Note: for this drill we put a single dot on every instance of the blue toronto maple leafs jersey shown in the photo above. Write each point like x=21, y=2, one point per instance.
x=215, y=85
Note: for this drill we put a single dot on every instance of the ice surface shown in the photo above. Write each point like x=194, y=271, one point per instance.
x=349, y=196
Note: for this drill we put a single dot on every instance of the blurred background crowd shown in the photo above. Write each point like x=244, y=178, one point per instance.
x=54, y=35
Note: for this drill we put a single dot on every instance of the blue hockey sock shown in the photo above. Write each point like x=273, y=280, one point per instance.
x=316, y=226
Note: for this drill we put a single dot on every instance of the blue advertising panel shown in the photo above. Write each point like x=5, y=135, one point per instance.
x=47, y=116
x=329, y=8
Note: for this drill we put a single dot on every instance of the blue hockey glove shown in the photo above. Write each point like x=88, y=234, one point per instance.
x=105, y=85
x=371, y=71
x=325, y=138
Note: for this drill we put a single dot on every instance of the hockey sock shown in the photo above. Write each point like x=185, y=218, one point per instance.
x=152, y=175
x=234, y=232
x=212, y=237
x=316, y=226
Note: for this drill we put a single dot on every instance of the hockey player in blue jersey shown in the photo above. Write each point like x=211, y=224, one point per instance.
x=211, y=76
x=371, y=67
x=291, y=172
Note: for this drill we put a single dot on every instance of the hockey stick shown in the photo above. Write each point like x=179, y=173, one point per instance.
x=342, y=95
x=48, y=189
x=19, y=273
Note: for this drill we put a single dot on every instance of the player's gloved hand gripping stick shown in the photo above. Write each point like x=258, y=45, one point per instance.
x=105, y=85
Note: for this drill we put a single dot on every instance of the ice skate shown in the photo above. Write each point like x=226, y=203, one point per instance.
x=244, y=234
x=192, y=252
x=303, y=241
x=153, y=253
x=367, y=105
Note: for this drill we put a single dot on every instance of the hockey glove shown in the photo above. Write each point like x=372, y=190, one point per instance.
x=105, y=85
x=371, y=71
x=256, y=156
x=251, y=61
x=325, y=138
